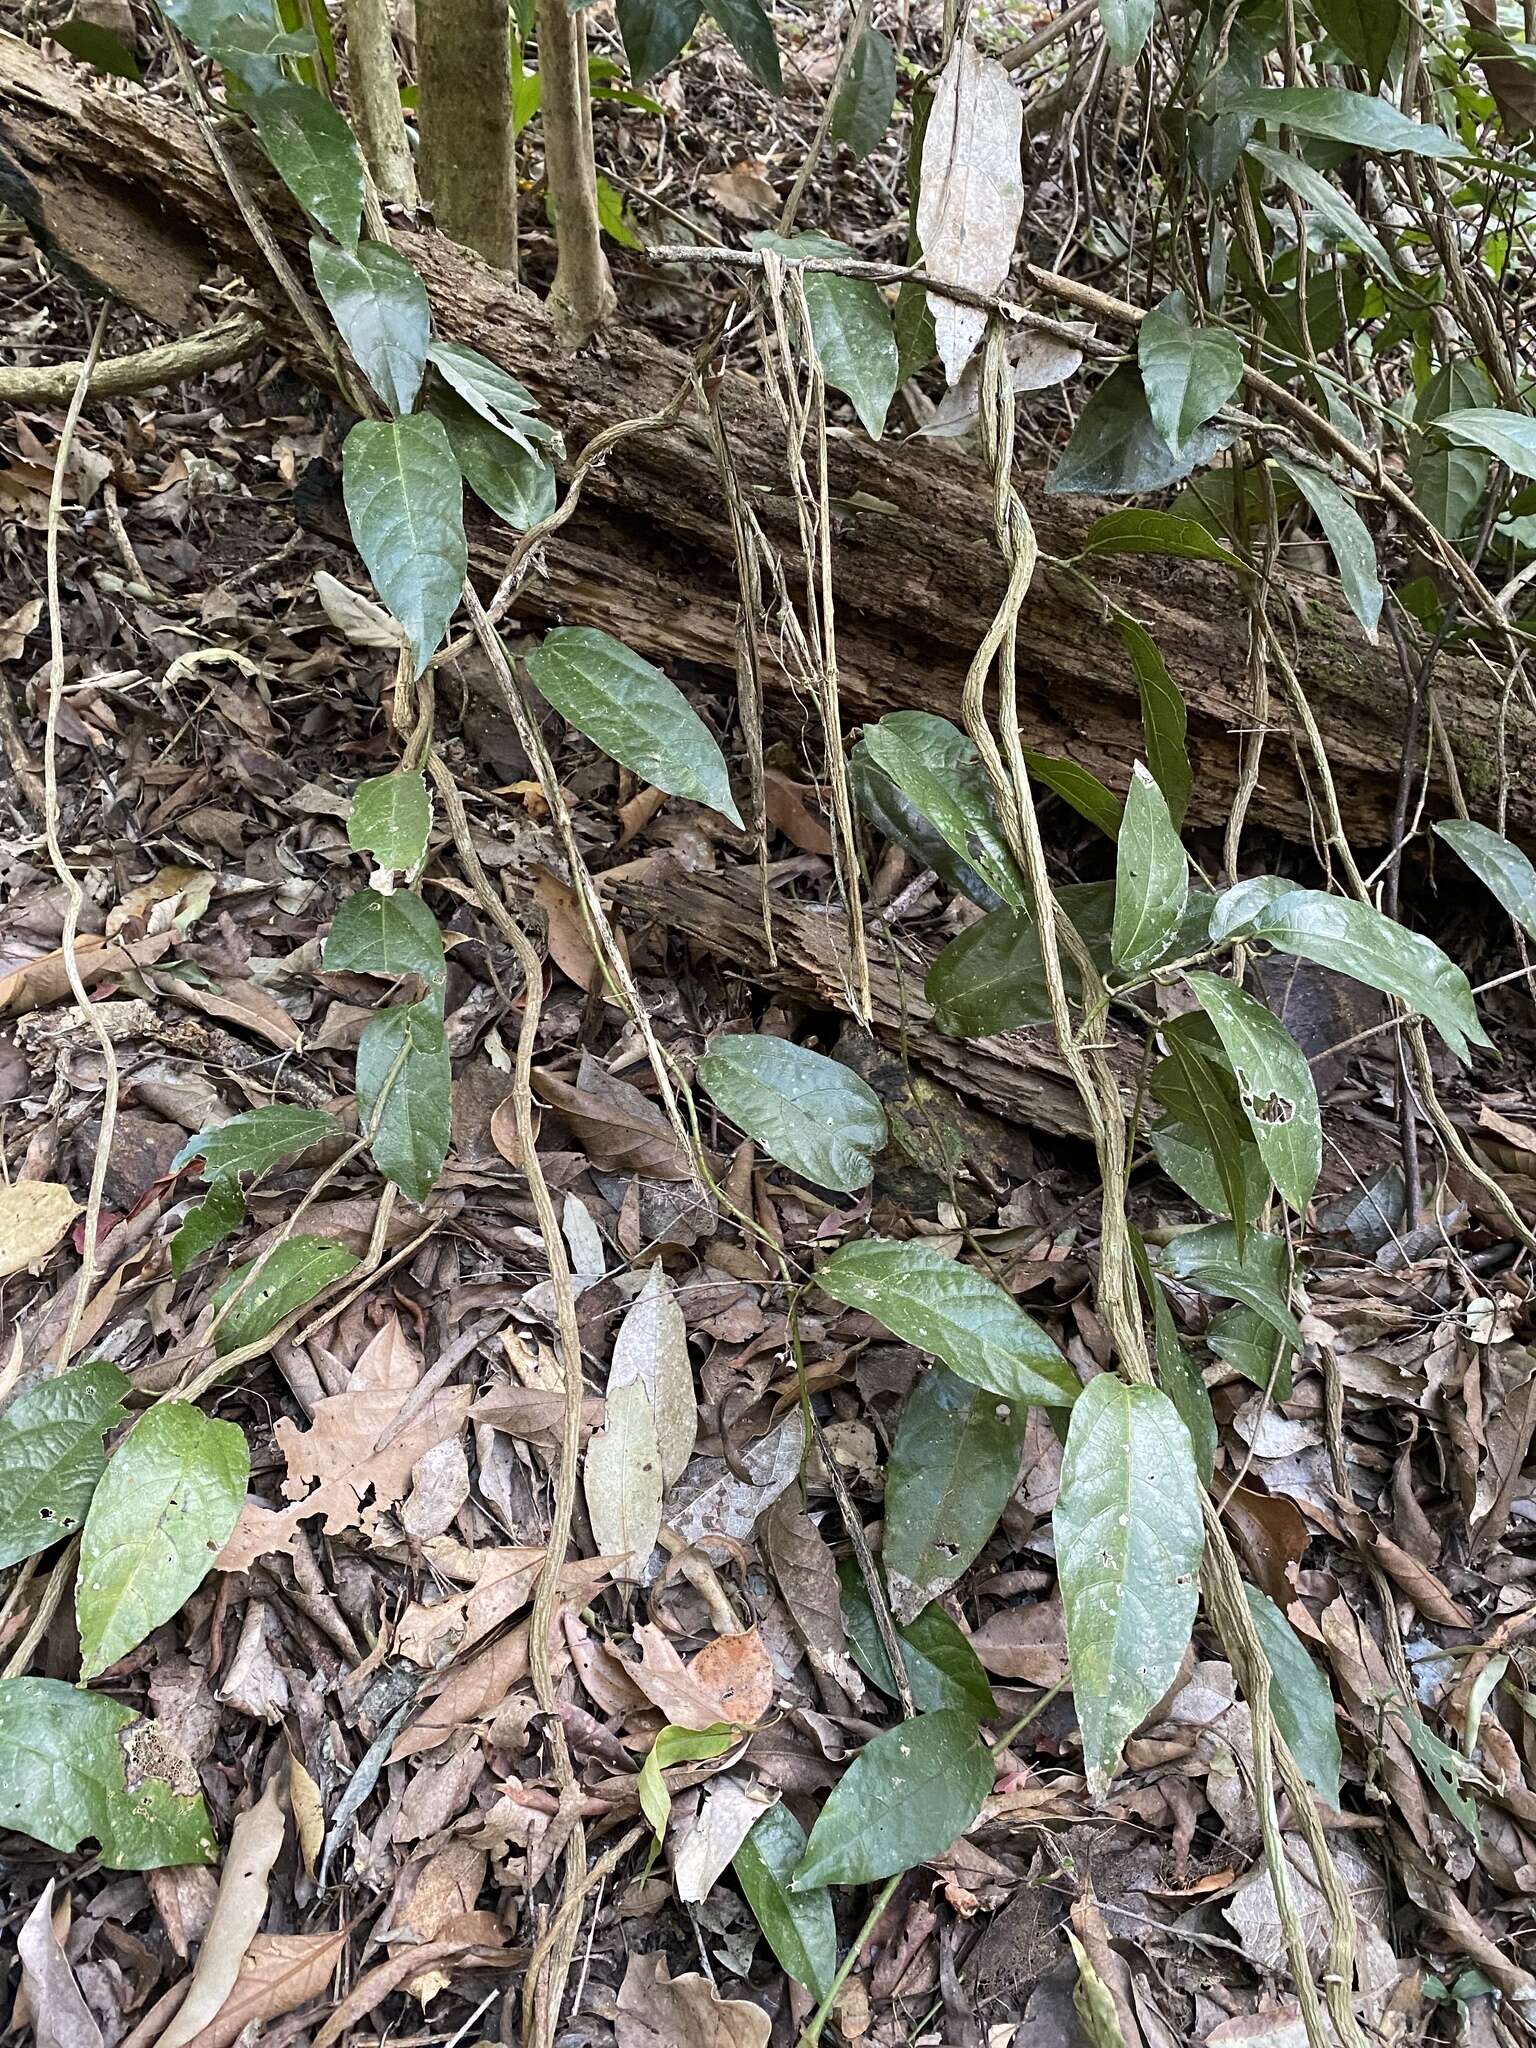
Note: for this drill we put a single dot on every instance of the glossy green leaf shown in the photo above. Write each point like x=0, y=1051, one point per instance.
x=1116, y=449
x=1237, y=907
x=380, y=305
x=936, y=769
x=416, y=1122
x=1337, y=116
x=256, y=1140
x=893, y=813
x=94, y=44
x=314, y=153
x=1208, y=1259
x=243, y=35
x=386, y=935
x=1129, y=1541
x=1365, y=30
x=1449, y=481
x=654, y=32
x=1203, y=1096
x=1508, y=436
x=1497, y=864
x=161, y=1513
x=953, y=1468
x=292, y=1274
x=391, y=818
x=1127, y=24
x=1274, y=1085
x=1180, y=1377
x=951, y=1311
x=405, y=505
x=942, y=1668
x=908, y=1795
x=1188, y=1156
x=676, y=1746
x=1151, y=878
x=1137, y=532
x=1164, y=719
x=633, y=712
x=51, y=1455
x=1187, y=372
x=861, y=113
x=1327, y=202
x=494, y=396
x=77, y=1765
x=1253, y=1347
x=1354, y=551
x=218, y=1216
x=1299, y=1696
x=516, y=486
x=750, y=33
x=1356, y=940
x=800, y=1927
x=850, y=325
x=812, y=1114
x=991, y=978
x=1077, y=786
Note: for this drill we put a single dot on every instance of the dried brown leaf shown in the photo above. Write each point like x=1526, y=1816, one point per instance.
x=806, y=1572
x=254, y=1843
x=658, y=2011
x=60, y=2016
x=34, y=1217
x=731, y=1679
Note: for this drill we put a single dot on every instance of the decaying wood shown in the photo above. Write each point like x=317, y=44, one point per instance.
x=1020, y=1076
x=121, y=186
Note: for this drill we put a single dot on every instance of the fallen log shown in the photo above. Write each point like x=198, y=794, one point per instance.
x=120, y=185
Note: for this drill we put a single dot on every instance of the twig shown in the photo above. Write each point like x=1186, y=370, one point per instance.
x=168, y=362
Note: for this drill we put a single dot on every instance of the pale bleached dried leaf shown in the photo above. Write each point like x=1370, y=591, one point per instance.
x=34, y=1216
x=588, y=1260
x=729, y=1808
x=60, y=2016
x=254, y=1843
x=658, y=2011
x=806, y=1572
x=652, y=1347
x=972, y=194
x=358, y=618
x=710, y=1499
x=623, y=1481
x=439, y=1488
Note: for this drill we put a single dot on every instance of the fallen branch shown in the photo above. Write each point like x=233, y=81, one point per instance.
x=168, y=362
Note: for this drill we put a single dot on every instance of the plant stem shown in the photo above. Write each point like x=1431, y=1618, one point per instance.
x=818, y=2019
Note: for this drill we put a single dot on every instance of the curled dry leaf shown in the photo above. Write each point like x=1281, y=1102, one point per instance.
x=972, y=194
x=253, y=1849
x=730, y=1680
x=34, y=1215
x=729, y=1809
x=658, y=2011
x=60, y=2016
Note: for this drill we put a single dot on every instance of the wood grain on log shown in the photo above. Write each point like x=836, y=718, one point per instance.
x=121, y=185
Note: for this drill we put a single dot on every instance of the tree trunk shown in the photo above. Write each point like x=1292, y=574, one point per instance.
x=582, y=296
x=373, y=83
x=120, y=185
x=468, y=158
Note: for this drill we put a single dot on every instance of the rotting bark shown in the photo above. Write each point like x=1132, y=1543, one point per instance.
x=468, y=159
x=121, y=187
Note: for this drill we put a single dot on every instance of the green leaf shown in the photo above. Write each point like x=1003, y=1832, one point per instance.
x=1135, y=532
x=405, y=505
x=1129, y=1541
x=991, y=978
x=936, y=769
x=908, y=1795
x=163, y=1510
x=942, y=1668
x=633, y=712
x=1497, y=864
x=1336, y=116
x=1127, y=24
x=516, y=486
x=1077, y=786
x=1252, y=1347
x=1274, y=1085
x=953, y=1312
x=1354, y=552
x=1445, y=1770
x=380, y=305
x=1449, y=481
x=1238, y=906
x=292, y=1274
x=219, y=1215
x=314, y=153
x=1151, y=878
x=898, y=818
x=800, y=1927
x=812, y=1114
x=1299, y=1696
x=1186, y=1153
x=1359, y=941
x=1188, y=373
x=1327, y=202
x=850, y=325
x=65, y=1762
x=1180, y=1376
x=1116, y=449
x=256, y=1140
x=676, y=1746
x=613, y=214
x=1365, y=30
x=1202, y=1096
x=243, y=35
x=654, y=32
x=861, y=113
x=1164, y=719
x=51, y=1455
x=391, y=818
x=953, y=1468
x=498, y=399
x=751, y=35
x=386, y=935
x=1510, y=436
x=93, y=44
x=412, y=1139
x=1208, y=1258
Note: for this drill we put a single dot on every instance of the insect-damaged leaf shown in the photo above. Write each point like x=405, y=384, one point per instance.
x=314, y=152
x=406, y=1050
x=1498, y=864
x=638, y=716
x=1151, y=878
x=516, y=486
x=1274, y=1085
x=498, y=399
x=810, y=1113
x=218, y=1216
x=942, y=1668
x=799, y=1927
x=850, y=326
x=405, y=505
x=74, y=1764
x=255, y=1140
x=380, y=305
x=160, y=1515
x=972, y=194
x=952, y=1470
x=953, y=1312
x=1299, y=1697
x=909, y=1795
x=391, y=817
x=1129, y=1541
x=51, y=1455
x=292, y=1273
x=623, y=1481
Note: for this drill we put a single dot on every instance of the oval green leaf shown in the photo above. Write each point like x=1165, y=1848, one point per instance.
x=1299, y=1697
x=800, y=1927
x=942, y=1668
x=415, y=1125
x=405, y=505
x=908, y=1795
x=517, y=486
x=810, y=1113
x=51, y=1455
x=1187, y=372
x=1151, y=878
x=936, y=769
x=850, y=326
x=291, y=1274
x=952, y=1471
x=380, y=306
x=1274, y=1085
x=386, y=935
x=391, y=818
x=861, y=113
x=314, y=153
x=1497, y=864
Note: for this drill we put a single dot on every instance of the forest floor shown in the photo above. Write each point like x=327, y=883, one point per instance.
x=371, y=1652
